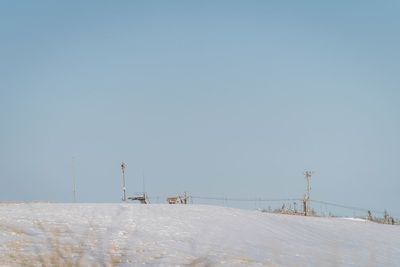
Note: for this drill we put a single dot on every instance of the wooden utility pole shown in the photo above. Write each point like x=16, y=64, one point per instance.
x=73, y=181
x=307, y=175
x=123, y=165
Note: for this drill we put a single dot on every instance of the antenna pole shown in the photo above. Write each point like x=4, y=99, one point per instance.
x=123, y=182
x=143, y=189
x=73, y=180
x=143, y=185
x=307, y=175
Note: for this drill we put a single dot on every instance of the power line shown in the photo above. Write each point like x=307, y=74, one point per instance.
x=286, y=199
x=345, y=206
x=283, y=200
x=247, y=199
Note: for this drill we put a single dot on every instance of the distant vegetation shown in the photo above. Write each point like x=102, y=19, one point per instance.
x=292, y=210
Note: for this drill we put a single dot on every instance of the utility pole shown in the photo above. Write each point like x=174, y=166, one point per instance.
x=73, y=180
x=307, y=175
x=143, y=185
x=123, y=165
x=304, y=205
x=144, y=189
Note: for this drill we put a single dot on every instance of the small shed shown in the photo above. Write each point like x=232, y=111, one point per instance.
x=178, y=199
x=174, y=200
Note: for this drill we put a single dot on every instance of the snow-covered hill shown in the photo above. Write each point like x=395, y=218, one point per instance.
x=134, y=235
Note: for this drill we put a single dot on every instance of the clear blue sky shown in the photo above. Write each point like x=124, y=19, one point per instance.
x=218, y=98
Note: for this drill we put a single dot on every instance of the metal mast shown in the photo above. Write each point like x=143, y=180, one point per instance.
x=307, y=175
x=144, y=188
x=73, y=180
x=143, y=185
x=123, y=181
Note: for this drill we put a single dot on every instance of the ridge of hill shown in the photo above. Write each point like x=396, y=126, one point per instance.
x=164, y=235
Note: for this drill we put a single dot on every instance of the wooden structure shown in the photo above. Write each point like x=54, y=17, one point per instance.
x=178, y=199
x=141, y=198
x=174, y=200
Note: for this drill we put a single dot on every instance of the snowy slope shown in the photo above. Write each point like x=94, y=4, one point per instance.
x=166, y=235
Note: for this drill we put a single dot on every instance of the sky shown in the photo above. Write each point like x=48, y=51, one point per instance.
x=216, y=98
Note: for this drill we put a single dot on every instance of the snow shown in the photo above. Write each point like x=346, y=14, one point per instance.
x=355, y=219
x=178, y=235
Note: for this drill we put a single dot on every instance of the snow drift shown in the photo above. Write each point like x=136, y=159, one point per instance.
x=164, y=235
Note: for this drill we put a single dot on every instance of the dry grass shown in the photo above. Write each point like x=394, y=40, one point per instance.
x=22, y=202
x=58, y=247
